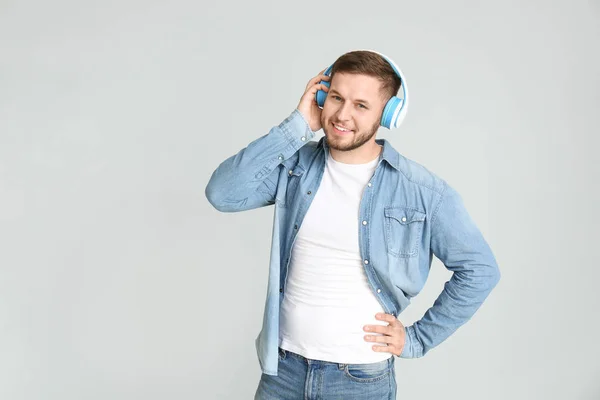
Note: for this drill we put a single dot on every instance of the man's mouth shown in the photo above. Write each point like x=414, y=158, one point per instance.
x=341, y=130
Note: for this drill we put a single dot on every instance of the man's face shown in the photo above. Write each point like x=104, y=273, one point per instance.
x=354, y=104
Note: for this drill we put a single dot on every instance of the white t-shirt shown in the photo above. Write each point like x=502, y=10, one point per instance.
x=328, y=299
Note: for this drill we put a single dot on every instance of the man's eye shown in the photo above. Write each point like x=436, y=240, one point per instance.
x=337, y=97
x=363, y=106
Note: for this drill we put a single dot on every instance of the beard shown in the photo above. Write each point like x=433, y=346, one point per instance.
x=348, y=142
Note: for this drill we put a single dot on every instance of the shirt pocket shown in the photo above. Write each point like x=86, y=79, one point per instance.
x=403, y=230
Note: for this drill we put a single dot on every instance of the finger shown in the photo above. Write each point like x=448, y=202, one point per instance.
x=314, y=80
x=386, y=317
x=379, y=338
x=320, y=78
x=379, y=329
x=313, y=89
x=380, y=348
x=317, y=79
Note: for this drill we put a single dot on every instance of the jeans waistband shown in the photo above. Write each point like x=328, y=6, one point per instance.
x=286, y=353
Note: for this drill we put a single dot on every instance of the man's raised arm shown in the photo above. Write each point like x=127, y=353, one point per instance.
x=248, y=179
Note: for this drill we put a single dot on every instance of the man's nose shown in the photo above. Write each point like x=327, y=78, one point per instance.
x=344, y=112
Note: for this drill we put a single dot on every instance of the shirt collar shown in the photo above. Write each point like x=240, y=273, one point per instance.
x=389, y=154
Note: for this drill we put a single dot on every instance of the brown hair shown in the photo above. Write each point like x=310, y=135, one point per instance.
x=372, y=64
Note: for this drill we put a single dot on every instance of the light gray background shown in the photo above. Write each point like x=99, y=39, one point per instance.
x=119, y=281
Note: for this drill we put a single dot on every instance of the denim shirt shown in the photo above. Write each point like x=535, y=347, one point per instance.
x=407, y=214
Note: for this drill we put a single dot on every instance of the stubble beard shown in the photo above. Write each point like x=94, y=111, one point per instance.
x=340, y=143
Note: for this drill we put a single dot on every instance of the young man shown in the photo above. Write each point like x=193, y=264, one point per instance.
x=356, y=225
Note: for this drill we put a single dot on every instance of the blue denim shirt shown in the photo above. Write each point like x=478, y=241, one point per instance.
x=411, y=215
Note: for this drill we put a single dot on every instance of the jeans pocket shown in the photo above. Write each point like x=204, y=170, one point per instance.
x=403, y=230
x=371, y=372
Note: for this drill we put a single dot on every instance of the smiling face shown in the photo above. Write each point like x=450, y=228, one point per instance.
x=352, y=112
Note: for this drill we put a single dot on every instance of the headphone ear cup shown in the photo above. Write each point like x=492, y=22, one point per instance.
x=391, y=111
x=321, y=94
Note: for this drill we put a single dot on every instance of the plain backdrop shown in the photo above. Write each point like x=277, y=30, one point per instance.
x=118, y=280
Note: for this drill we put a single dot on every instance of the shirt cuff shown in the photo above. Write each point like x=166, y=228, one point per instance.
x=412, y=347
x=296, y=128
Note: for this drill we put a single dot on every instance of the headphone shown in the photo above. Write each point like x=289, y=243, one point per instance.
x=394, y=110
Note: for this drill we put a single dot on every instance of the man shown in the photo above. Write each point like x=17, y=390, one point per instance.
x=356, y=225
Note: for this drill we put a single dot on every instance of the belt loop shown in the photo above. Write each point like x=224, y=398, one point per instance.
x=282, y=353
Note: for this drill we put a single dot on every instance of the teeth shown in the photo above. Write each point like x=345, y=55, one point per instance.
x=341, y=129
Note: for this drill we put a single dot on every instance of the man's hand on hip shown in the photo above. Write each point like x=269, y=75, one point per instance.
x=394, y=334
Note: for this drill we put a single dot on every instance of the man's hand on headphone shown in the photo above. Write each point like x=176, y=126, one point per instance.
x=308, y=103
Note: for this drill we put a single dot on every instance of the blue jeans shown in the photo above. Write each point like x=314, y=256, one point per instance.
x=301, y=378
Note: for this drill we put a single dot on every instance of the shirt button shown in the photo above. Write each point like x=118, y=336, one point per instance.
x=369, y=184
x=295, y=226
x=378, y=290
x=364, y=222
x=309, y=192
x=280, y=157
x=303, y=138
x=280, y=290
x=366, y=261
x=403, y=219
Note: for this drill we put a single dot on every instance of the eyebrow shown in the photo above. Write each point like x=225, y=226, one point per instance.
x=357, y=100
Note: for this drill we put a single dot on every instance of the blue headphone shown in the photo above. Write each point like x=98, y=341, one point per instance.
x=394, y=110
